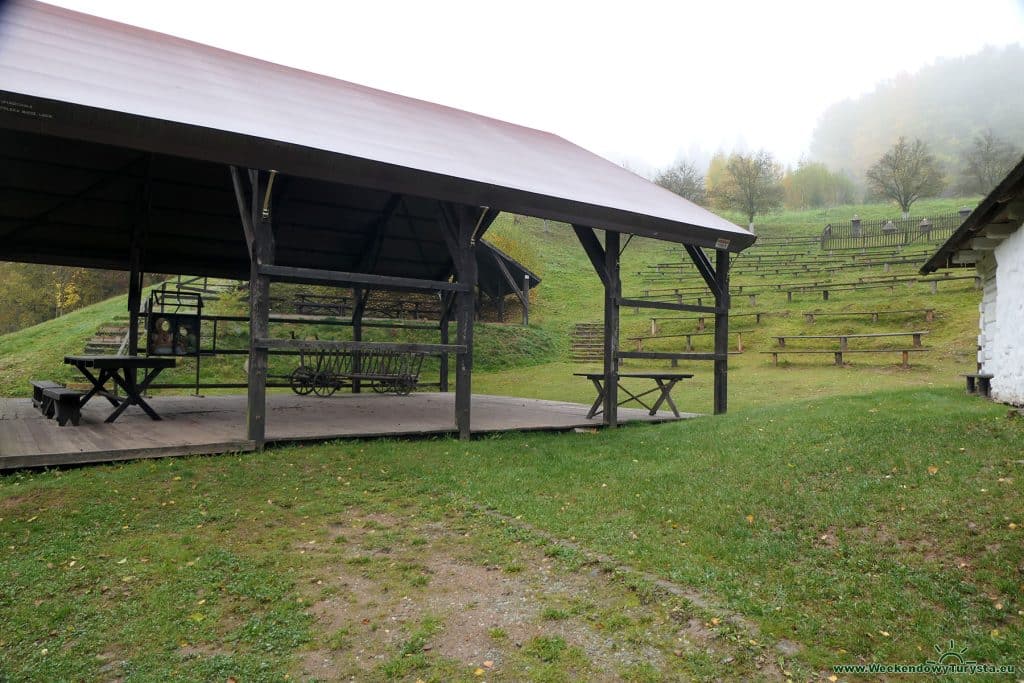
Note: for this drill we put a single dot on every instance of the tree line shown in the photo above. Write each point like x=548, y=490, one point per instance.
x=36, y=293
x=948, y=104
x=755, y=183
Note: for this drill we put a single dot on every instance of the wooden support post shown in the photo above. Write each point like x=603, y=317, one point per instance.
x=447, y=300
x=464, y=224
x=445, y=339
x=612, y=294
x=654, y=326
x=134, y=299
x=257, y=223
x=722, y=332
x=135, y=261
x=359, y=298
x=526, y=299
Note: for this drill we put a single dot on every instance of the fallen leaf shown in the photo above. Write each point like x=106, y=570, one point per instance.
x=478, y=672
x=122, y=560
x=488, y=664
x=750, y=519
x=932, y=469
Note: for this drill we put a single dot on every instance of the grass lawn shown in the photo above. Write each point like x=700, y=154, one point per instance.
x=841, y=529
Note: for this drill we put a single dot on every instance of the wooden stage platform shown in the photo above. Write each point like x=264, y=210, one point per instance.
x=216, y=424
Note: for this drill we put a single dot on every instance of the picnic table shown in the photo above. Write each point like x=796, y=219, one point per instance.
x=121, y=372
x=664, y=383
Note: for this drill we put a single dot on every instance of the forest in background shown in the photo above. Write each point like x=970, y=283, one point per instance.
x=34, y=293
x=946, y=104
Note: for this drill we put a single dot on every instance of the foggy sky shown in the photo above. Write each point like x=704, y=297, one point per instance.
x=641, y=83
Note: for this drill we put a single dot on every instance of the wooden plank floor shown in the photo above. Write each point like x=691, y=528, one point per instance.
x=216, y=424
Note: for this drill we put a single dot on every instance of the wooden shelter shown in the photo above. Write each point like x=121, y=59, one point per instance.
x=128, y=149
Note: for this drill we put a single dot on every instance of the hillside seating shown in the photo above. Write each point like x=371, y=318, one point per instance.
x=65, y=405
x=664, y=383
x=810, y=316
x=687, y=335
x=979, y=384
x=843, y=340
x=702, y=319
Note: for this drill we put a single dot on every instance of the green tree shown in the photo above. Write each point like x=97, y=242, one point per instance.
x=716, y=174
x=813, y=185
x=752, y=185
x=907, y=172
x=685, y=180
x=987, y=161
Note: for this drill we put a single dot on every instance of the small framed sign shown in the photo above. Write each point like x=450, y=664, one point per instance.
x=173, y=334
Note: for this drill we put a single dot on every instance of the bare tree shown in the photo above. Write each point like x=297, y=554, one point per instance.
x=752, y=185
x=685, y=180
x=987, y=161
x=907, y=172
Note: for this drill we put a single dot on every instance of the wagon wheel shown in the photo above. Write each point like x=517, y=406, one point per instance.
x=404, y=386
x=380, y=387
x=324, y=384
x=301, y=380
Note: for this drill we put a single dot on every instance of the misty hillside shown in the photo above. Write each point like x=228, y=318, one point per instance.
x=945, y=104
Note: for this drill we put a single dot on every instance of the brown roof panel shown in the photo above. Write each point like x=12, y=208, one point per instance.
x=77, y=76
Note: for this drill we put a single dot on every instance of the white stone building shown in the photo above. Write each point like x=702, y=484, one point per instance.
x=992, y=239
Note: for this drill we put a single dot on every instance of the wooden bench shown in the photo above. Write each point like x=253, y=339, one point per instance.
x=38, y=386
x=809, y=316
x=844, y=338
x=839, y=354
x=844, y=346
x=63, y=404
x=702, y=320
x=979, y=383
x=689, y=339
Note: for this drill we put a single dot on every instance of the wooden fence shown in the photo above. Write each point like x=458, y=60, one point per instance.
x=896, y=232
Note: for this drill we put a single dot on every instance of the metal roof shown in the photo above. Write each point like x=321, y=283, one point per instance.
x=996, y=208
x=77, y=77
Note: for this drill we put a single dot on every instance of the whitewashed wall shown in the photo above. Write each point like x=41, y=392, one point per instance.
x=1005, y=360
x=987, y=321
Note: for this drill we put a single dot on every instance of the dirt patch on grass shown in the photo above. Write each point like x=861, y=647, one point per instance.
x=13, y=503
x=391, y=593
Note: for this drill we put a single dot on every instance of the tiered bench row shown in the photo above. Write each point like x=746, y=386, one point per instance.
x=843, y=345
